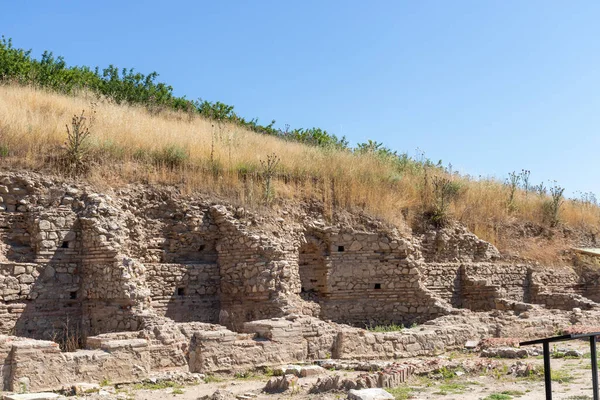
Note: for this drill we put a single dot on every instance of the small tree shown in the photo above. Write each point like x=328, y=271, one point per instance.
x=269, y=166
x=77, y=142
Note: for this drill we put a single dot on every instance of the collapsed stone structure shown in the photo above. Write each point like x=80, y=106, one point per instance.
x=147, y=280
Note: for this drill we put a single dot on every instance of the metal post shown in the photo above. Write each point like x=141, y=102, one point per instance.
x=547, y=376
x=594, y=366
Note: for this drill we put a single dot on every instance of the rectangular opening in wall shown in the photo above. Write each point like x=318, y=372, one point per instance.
x=341, y=248
x=73, y=295
x=180, y=291
x=64, y=245
x=378, y=286
x=201, y=247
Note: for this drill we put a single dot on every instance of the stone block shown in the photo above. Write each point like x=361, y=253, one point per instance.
x=369, y=394
x=34, y=396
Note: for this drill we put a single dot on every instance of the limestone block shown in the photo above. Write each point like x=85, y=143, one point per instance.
x=369, y=394
x=34, y=396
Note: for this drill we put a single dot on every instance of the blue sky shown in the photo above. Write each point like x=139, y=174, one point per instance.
x=489, y=86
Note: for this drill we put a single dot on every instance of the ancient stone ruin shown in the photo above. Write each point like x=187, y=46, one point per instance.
x=119, y=287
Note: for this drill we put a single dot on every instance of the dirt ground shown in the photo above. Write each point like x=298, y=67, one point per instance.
x=571, y=380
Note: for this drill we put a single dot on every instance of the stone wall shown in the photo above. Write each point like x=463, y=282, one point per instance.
x=185, y=292
x=259, y=273
x=15, y=239
x=476, y=286
x=364, y=345
x=588, y=269
x=39, y=300
x=34, y=365
x=377, y=268
x=455, y=244
x=143, y=271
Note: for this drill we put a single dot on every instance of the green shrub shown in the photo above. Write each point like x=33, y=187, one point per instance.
x=170, y=156
x=401, y=392
x=498, y=396
x=142, y=155
x=385, y=328
x=156, y=386
x=443, y=192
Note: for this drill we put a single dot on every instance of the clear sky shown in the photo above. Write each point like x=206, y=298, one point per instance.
x=490, y=86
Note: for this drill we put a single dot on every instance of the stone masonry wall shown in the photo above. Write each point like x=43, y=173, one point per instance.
x=115, y=292
x=259, y=273
x=588, y=269
x=185, y=292
x=455, y=244
x=476, y=285
x=379, y=269
x=38, y=300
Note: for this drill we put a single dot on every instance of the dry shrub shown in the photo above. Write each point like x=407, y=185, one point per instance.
x=69, y=335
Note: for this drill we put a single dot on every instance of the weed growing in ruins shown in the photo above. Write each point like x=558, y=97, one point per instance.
x=269, y=167
x=451, y=388
x=295, y=389
x=498, y=396
x=499, y=372
x=212, y=379
x=77, y=152
x=157, y=385
x=385, y=328
x=401, y=392
x=69, y=336
x=177, y=391
x=246, y=375
x=561, y=376
x=516, y=393
x=270, y=372
x=447, y=373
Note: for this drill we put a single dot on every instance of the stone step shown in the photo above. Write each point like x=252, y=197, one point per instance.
x=34, y=396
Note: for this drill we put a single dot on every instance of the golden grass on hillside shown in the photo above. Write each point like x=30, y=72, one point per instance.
x=124, y=140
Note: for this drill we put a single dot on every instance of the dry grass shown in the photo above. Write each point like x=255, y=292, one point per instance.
x=126, y=141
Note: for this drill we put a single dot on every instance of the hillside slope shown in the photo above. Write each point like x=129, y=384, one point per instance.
x=133, y=144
